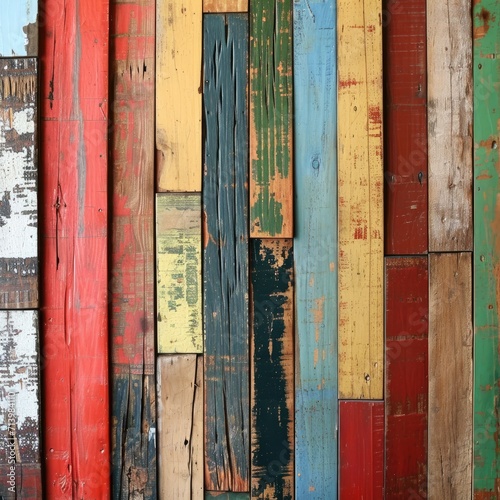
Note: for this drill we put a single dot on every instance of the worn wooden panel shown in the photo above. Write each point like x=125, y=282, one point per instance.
x=360, y=186
x=19, y=28
x=226, y=496
x=178, y=271
x=178, y=95
x=361, y=449
x=271, y=120
x=180, y=426
x=225, y=200
x=225, y=5
x=272, y=389
x=450, y=375
x=449, y=99
x=19, y=406
x=74, y=200
x=133, y=431
x=315, y=248
x=487, y=249
x=18, y=184
x=406, y=395
x=405, y=122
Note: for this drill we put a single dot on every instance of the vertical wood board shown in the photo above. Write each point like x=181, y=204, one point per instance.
x=225, y=6
x=19, y=28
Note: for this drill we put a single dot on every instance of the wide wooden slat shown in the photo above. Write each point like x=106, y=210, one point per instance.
x=19, y=28
x=315, y=248
x=271, y=176
x=225, y=200
x=450, y=375
x=178, y=95
x=360, y=205
x=225, y=5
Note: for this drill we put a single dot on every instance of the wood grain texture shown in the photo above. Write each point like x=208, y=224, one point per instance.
x=405, y=123
x=271, y=120
x=225, y=5
x=20, y=460
x=361, y=449
x=18, y=184
x=449, y=99
x=272, y=389
x=178, y=95
x=360, y=205
x=180, y=427
x=450, y=376
x=19, y=28
x=225, y=235
x=406, y=394
x=133, y=431
x=315, y=248
x=486, y=15
x=178, y=271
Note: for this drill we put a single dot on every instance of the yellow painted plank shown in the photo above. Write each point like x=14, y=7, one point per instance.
x=360, y=178
x=178, y=268
x=178, y=95
x=225, y=5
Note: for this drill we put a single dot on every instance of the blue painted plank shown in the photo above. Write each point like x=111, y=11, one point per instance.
x=19, y=28
x=315, y=249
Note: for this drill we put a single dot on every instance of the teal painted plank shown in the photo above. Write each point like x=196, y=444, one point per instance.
x=315, y=249
x=225, y=200
x=226, y=496
x=19, y=28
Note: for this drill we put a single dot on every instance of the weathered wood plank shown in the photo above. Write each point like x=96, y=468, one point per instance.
x=406, y=396
x=315, y=248
x=486, y=249
x=225, y=200
x=271, y=121
x=132, y=45
x=360, y=186
x=74, y=198
x=227, y=495
x=19, y=28
x=272, y=389
x=225, y=5
x=405, y=122
x=18, y=184
x=361, y=449
x=450, y=376
x=19, y=406
x=178, y=271
x=449, y=98
x=180, y=426
x=178, y=95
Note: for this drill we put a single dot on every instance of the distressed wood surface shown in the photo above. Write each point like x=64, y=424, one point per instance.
x=486, y=15
x=74, y=201
x=225, y=5
x=361, y=449
x=450, y=376
x=180, y=426
x=20, y=457
x=449, y=100
x=405, y=122
x=226, y=495
x=133, y=394
x=271, y=120
x=18, y=184
x=178, y=95
x=272, y=389
x=360, y=186
x=19, y=28
x=178, y=271
x=315, y=248
x=406, y=394
x=225, y=241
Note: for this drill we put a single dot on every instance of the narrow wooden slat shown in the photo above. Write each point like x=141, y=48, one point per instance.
x=360, y=203
x=18, y=184
x=19, y=28
x=449, y=98
x=450, y=375
x=271, y=176
x=315, y=248
x=178, y=270
x=178, y=95
x=225, y=200
x=20, y=406
x=406, y=396
x=180, y=426
x=225, y=5
x=272, y=387
x=133, y=395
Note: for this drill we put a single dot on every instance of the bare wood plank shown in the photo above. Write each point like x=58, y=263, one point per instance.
x=225, y=6
x=19, y=28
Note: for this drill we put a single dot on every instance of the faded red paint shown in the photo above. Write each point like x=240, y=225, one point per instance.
x=348, y=83
x=374, y=115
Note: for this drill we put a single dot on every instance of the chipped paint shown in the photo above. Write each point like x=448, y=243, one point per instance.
x=17, y=36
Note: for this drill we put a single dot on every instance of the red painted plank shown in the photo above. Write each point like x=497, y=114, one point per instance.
x=74, y=91
x=407, y=308
x=361, y=449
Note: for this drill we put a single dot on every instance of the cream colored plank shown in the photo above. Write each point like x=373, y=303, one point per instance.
x=225, y=5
